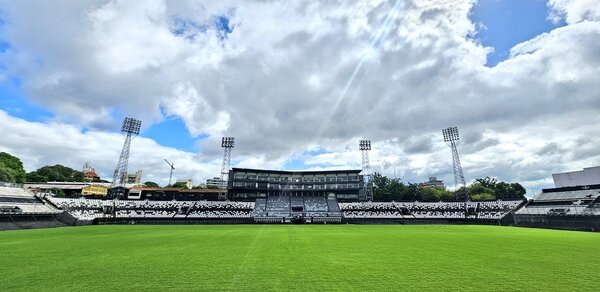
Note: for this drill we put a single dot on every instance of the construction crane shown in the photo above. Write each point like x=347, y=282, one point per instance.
x=172, y=168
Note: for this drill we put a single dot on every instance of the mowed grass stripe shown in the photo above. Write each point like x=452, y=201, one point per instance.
x=298, y=257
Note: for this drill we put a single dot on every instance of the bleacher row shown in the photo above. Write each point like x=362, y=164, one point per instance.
x=15, y=200
x=426, y=210
x=564, y=203
x=94, y=208
x=285, y=206
x=279, y=207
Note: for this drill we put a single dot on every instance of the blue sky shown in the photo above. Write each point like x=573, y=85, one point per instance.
x=505, y=24
x=214, y=67
x=509, y=22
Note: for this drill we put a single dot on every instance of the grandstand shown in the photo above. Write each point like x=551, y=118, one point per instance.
x=573, y=207
x=249, y=184
x=307, y=197
x=95, y=210
x=20, y=208
x=491, y=210
x=283, y=209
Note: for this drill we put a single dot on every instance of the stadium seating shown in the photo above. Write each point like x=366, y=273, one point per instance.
x=427, y=210
x=308, y=207
x=564, y=203
x=92, y=208
x=283, y=209
x=278, y=206
x=20, y=201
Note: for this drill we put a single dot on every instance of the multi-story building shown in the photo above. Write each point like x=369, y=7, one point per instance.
x=214, y=182
x=249, y=184
x=135, y=178
x=432, y=182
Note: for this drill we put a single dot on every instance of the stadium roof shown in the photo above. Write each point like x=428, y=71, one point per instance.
x=297, y=171
x=149, y=189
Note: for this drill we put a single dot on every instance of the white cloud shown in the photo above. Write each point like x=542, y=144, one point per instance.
x=39, y=144
x=279, y=82
x=574, y=11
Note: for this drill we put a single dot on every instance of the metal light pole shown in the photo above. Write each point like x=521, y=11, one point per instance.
x=450, y=137
x=365, y=146
x=131, y=128
x=227, y=143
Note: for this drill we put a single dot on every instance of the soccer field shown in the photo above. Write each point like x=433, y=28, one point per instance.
x=298, y=257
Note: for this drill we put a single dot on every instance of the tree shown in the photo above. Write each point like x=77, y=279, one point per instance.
x=179, y=185
x=461, y=194
x=57, y=192
x=412, y=193
x=56, y=173
x=35, y=177
x=151, y=184
x=11, y=169
x=487, y=182
x=515, y=191
x=483, y=197
x=436, y=194
x=380, y=185
x=478, y=192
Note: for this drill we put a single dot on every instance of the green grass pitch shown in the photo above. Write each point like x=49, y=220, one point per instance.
x=298, y=257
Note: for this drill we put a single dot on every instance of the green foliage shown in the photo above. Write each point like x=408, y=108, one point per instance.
x=386, y=189
x=477, y=191
x=488, y=188
x=487, y=182
x=436, y=194
x=179, y=185
x=483, y=197
x=461, y=194
x=55, y=173
x=57, y=192
x=151, y=184
x=298, y=258
x=11, y=169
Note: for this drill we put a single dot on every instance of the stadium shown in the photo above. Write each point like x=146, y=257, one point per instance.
x=297, y=230
x=299, y=145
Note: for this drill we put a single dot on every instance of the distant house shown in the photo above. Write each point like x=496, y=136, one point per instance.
x=431, y=183
x=188, y=183
x=89, y=173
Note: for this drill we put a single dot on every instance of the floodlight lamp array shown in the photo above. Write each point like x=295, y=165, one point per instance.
x=450, y=134
x=131, y=126
x=228, y=142
x=364, y=144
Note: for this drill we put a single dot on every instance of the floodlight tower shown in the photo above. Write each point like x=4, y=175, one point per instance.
x=227, y=143
x=450, y=137
x=172, y=168
x=131, y=128
x=365, y=147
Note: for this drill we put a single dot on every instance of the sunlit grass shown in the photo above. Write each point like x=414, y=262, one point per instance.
x=298, y=257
